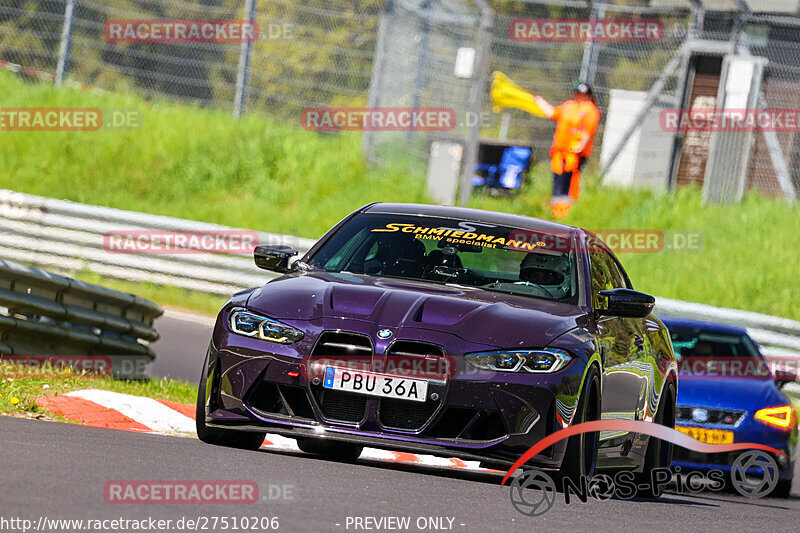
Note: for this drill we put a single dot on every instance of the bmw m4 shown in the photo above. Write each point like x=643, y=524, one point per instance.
x=442, y=330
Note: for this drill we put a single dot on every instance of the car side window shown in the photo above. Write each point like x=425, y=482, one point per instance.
x=605, y=273
x=618, y=274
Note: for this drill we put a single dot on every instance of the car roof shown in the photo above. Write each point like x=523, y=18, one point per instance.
x=702, y=324
x=475, y=215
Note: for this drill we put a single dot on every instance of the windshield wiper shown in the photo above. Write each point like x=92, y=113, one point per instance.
x=303, y=266
x=495, y=287
x=450, y=272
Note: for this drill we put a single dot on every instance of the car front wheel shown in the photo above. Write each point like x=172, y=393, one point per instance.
x=580, y=458
x=659, y=452
x=245, y=440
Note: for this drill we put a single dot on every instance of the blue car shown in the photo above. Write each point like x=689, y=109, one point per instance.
x=727, y=394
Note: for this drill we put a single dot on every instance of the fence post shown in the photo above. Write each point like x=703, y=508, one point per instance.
x=481, y=67
x=649, y=100
x=376, y=80
x=243, y=72
x=422, y=59
x=66, y=43
x=771, y=140
x=588, y=63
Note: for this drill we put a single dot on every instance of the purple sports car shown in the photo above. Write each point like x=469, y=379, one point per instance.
x=442, y=330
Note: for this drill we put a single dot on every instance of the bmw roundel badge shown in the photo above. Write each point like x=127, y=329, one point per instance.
x=384, y=334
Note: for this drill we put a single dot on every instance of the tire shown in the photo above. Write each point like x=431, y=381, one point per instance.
x=245, y=440
x=339, y=451
x=659, y=452
x=580, y=457
x=783, y=489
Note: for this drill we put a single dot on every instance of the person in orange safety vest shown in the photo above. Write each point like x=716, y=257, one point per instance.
x=576, y=125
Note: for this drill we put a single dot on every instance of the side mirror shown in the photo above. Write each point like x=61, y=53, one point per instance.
x=784, y=377
x=627, y=302
x=274, y=257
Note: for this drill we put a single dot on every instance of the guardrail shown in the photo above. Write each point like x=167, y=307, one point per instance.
x=46, y=314
x=777, y=337
x=68, y=236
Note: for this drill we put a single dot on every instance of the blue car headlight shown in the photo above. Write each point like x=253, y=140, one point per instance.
x=532, y=361
x=262, y=327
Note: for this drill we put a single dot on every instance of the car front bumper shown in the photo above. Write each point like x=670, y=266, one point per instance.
x=474, y=415
x=746, y=430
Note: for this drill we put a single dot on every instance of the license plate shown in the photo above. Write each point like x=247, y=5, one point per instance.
x=375, y=384
x=710, y=436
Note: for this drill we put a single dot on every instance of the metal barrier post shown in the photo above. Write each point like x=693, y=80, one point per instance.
x=66, y=43
x=478, y=90
x=243, y=73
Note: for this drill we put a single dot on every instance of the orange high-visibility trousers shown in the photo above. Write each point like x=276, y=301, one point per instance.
x=575, y=185
x=562, y=162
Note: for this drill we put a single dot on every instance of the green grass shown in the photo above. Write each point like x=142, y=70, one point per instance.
x=748, y=254
x=195, y=163
x=255, y=173
x=20, y=386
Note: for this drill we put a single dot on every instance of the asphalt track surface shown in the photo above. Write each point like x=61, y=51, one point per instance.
x=59, y=471
x=182, y=346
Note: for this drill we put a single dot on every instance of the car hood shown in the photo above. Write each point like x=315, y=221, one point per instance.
x=479, y=316
x=741, y=393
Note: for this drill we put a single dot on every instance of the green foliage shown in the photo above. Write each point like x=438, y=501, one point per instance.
x=748, y=251
x=255, y=173
x=195, y=163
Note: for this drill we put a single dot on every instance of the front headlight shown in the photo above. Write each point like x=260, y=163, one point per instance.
x=533, y=361
x=261, y=327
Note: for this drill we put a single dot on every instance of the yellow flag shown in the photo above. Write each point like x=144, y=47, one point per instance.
x=505, y=93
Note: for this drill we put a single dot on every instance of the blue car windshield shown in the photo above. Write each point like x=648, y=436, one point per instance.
x=455, y=252
x=697, y=342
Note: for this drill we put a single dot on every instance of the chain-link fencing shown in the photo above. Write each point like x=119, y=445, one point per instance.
x=414, y=67
x=405, y=53
x=549, y=69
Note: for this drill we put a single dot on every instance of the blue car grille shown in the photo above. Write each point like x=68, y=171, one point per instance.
x=720, y=417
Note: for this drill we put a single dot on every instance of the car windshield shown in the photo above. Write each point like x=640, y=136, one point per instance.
x=454, y=252
x=697, y=342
